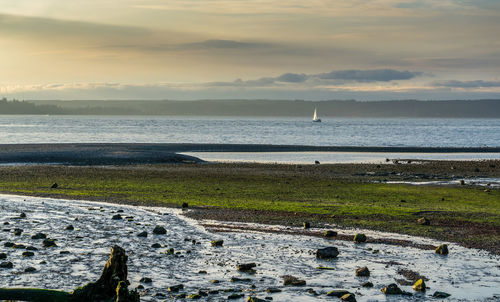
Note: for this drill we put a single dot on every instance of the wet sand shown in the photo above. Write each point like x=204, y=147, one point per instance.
x=122, y=154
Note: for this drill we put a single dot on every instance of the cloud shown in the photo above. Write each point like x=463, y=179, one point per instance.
x=467, y=84
x=220, y=44
x=292, y=78
x=374, y=75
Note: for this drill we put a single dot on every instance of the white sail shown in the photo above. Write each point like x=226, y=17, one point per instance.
x=315, y=116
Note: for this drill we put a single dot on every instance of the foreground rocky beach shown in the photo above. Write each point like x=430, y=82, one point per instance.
x=63, y=244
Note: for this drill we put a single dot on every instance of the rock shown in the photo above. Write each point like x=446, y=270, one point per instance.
x=327, y=253
x=217, y=242
x=70, y=228
x=363, y=272
x=194, y=296
x=64, y=252
x=175, y=288
x=337, y=293
x=306, y=224
x=143, y=234
x=215, y=281
x=3, y=256
x=440, y=295
x=31, y=248
x=146, y=280
x=28, y=254
x=18, y=232
x=273, y=290
x=22, y=215
x=185, y=205
x=202, y=272
x=294, y=281
x=170, y=251
x=367, y=284
x=117, y=217
x=255, y=299
x=159, y=230
x=39, y=236
x=392, y=289
x=246, y=267
x=348, y=297
x=156, y=245
x=235, y=296
x=8, y=244
x=316, y=162
x=423, y=221
x=359, y=238
x=442, y=249
x=461, y=182
x=30, y=269
x=419, y=286
x=330, y=233
x=140, y=286
x=18, y=246
x=236, y=279
x=49, y=242
x=6, y=264
x=54, y=186
x=312, y=292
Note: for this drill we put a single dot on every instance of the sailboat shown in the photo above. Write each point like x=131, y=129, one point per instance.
x=315, y=117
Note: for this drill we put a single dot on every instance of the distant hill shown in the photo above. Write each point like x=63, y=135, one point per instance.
x=401, y=108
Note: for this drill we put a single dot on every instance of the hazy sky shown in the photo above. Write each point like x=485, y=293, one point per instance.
x=287, y=49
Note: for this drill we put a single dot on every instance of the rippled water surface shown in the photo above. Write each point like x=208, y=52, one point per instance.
x=287, y=131
x=467, y=274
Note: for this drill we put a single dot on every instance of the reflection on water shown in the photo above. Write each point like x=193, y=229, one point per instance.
x=465, y=273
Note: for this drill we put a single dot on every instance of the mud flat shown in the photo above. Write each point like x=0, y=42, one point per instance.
x=466, y=274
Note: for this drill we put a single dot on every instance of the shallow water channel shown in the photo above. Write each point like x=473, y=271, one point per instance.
x=466, y=274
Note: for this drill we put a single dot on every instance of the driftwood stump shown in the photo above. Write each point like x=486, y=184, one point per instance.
x=112, y=286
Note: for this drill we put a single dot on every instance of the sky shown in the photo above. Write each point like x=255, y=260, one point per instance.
x=250, y=49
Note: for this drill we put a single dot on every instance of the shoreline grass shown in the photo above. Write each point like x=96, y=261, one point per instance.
x=467, y=215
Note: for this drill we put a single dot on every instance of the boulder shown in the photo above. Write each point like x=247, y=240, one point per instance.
x=306, y=224
x=18, y=232
x=294, y=281
x=419, y=286
x=217, y=242
x=159, y=230
x=117, y=217
x=440, y=295
x=348, y=297
x=442, y=249
x=156, y=245
x=146, y=280
x=54, y=186
x=392, y=289
x=273, y=290
x=330, y=233
x=423, y=221
x=337, y=293
x=327, y=253
x=30, y=269
x=49, y=242
x=255, y=299
x=6, y=264
x=143, y=234
x=28, y=254
x=246, y=267
x=235, y=296
x=359, y=238
x=185, y=205
x=39, y=236
x=70, y=228
x=3, y=256
x=175, y=288
x=367, y=284
x=363, y=272
x=22, y=215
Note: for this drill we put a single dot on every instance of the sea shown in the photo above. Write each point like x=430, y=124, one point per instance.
x=382, y=132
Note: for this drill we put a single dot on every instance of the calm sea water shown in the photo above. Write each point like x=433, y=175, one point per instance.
x=290, y=131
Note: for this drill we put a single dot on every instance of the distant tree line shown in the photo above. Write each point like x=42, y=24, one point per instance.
x=351, y=108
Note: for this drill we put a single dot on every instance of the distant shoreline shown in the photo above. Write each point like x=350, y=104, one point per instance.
x=138, y=153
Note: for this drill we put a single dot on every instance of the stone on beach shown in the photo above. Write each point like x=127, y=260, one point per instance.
x=327, y=253
x=159, y=230
x=423, y=221
x=348, y=297
x=442, y=249
x=217, y=242
x=363, y=272
x=39, y=236
x=294, y=281
x=330, y=233
x=337, y=293
x=143, y=234
x=359, y=238
x=440, y=295
x=306, y=224
x=246, y=267
x=6, y=264
x=117, y=217
x=392, y=289
x=419, y=285
x=49, y=242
